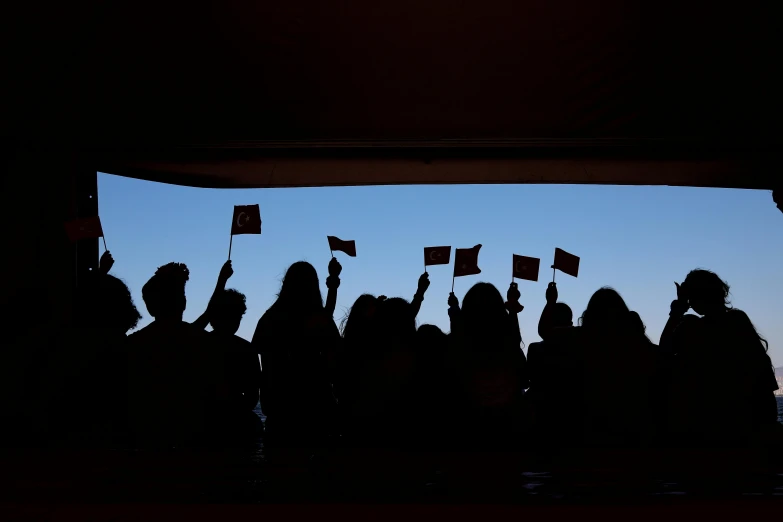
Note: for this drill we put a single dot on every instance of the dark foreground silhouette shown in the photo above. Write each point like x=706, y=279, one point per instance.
x=380, y=408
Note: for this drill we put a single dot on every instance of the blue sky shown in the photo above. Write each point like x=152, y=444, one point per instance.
x=639, y=240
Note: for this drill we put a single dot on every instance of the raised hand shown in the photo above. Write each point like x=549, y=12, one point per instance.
x=335, y=268
x=453, y=301
x=680, y=305
x=106, y=262
x=424, y=283
x=551, y=293
x=512, y=296
x=226, y=271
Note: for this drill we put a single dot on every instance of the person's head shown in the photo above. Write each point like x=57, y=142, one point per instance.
x=164, y=293
x=483, y=309
x=227, y=311
x=395, y=319
x=637, y=326
x=105, y=302
x=430, y=336
x=359, y=320
x=606, y=308
x=300, y=287
x=562, y=315
x=706, y=292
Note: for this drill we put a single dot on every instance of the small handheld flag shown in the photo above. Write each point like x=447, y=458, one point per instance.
x=525, y=267
x=465, y=262
x=246, y=220
x=436, y=256
x=85, y=228
x=348, y=247
x=566, y=263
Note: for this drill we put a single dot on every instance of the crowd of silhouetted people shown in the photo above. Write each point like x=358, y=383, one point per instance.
x=378, y=380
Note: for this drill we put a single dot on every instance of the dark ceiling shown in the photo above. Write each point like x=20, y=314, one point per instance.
x=302, y=92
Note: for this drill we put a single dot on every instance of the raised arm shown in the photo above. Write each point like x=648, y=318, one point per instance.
x=678, y=309
x=332, y=283
x=454, y=312
x=546, y=322
x=225, y=274
x=106, y=262
x=514, y=308
x=418, y=298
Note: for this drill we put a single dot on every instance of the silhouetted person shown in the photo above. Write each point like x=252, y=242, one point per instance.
x=438, y=414
x=386, y=389
x=554, y=377
x=358, y=331
x=295, y=337
x=177, y=393
x=490, y=365
x=226, y=271
x=617, y=366
x=723, y=380
x=418, y=297
x=82, y=377
x=243, y=373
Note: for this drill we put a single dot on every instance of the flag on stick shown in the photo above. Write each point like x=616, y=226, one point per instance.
x=84, y=228
x=526, y=267
x=335, y=243
x=440, y=255
x=566, y=263
x=466, y=261
x=247, y=220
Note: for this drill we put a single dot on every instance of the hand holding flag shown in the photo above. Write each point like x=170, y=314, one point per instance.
x=512, y=299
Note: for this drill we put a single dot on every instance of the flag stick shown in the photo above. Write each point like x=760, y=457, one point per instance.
x=452, y=284
x=230, y=244
x=553, y=273
x=105, y=248
x=331, y=252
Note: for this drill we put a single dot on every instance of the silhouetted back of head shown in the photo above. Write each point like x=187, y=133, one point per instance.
x=562, y=315
x=484, y=310
x=358, y=323
x=104, y=301
x=395, y=319
x=706, y=292
x=164, y=293
x=431, y=337
x=227, y=311
x=300, y=289
x=606, y=308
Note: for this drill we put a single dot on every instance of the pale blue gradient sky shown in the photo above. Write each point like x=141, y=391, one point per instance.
x=638, y=240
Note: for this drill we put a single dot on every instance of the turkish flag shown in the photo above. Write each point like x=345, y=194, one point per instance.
x=526, y=267
x=466, y=261
x=247, y=220
x=349, y=247
x=566, y=263
x=84, y=228
x=437, y=255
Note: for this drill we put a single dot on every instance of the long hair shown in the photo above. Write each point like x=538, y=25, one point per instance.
x=300, y=289
x=484, y=312
x=358, y=319
x=707, y=287
x=605, y=308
